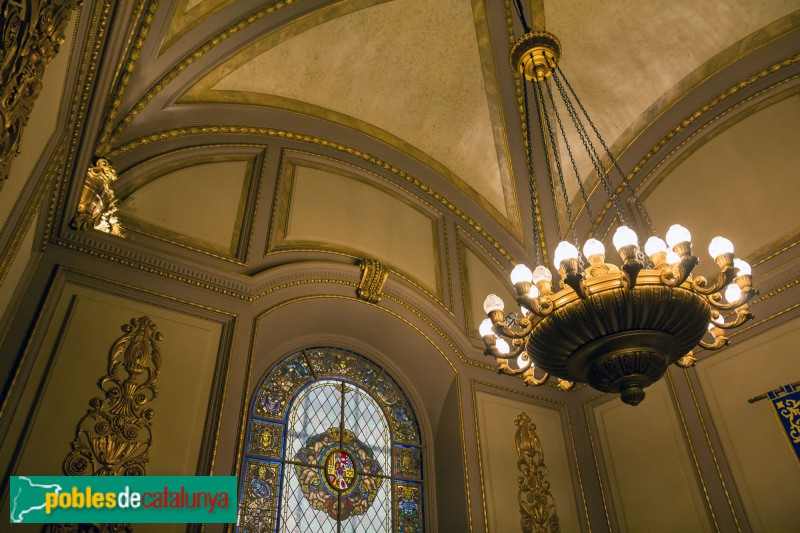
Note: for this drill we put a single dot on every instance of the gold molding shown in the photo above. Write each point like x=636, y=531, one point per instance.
x=115, y=436
x=537, y=506
x=142, y=19
x=187, y=60
x=33, y=31
x=183, y=20
x=373, y=276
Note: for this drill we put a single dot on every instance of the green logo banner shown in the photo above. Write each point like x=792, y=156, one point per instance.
x=122, y=499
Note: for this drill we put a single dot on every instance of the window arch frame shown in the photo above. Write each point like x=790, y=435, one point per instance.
x=266, y=448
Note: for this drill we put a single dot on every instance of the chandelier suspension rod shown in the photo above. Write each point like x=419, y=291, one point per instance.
x=536, y=243
x=571, y=158
x=554, y=147
x=559, y=73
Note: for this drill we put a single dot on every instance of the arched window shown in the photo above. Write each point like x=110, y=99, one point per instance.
x=332, y=446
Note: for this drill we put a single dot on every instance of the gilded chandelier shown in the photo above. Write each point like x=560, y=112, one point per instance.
x=616, y=328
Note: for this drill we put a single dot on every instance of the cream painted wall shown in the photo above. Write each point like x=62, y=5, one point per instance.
x=648, y=465
x=496, y=431
x=330, y=209
x=41, y=124
x=74, y=356
x=15, y=273
x=764, y=467
x=761, y=209
x=210, y=211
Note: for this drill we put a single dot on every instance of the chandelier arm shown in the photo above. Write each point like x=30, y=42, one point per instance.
x=541, y=307
x=554, y=145
x=531, y=175
x=492, y=351
x=687, y=361
x=724, y=278
x=565, y=385
x=505, y=330
x=743, y=314
x=714, y=300
x=719, y=343
x=637, y=202
x=675, y=275
x=593, y=155
x=531, y=379
x=540, y=112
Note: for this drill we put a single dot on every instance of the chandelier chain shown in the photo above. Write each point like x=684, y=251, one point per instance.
x=559, y=170
x=613, y=159
x=531, y=178
x=569, y=152
x=521, y=15
x=593, y=155
x=547, y=160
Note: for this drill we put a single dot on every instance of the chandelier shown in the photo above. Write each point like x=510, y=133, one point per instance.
x=616, y=328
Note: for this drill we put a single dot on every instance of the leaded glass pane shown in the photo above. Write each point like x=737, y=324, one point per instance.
x=259, y=496
x=364, y=418
x=306, y=505
x=407, y=507
x=317, y=409
x=374, y=497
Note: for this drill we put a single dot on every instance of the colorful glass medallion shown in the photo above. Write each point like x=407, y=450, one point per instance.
x=339, y=469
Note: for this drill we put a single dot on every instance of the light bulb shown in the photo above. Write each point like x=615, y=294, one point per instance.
x=654, y=245
x=719, y=246
x=733, y=293
x=593, y=247
x=492, y=303
x=744, y=268
x=523, y=360
x=678, y=234
x=625, y=236
x=524, y=311
x=540, y=273
x=716, y=320
x=564, y=250
x=533, y=292
x=521, y=273
x=672, y=258
x=486, y=328
x=502, y=346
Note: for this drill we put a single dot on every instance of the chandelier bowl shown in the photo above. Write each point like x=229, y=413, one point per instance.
x=619, y=339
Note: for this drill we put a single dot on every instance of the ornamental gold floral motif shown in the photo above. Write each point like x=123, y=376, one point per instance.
x=97, y=208
x=791, y=412
x=115, y=436
x=536, y=504
x=32, y=32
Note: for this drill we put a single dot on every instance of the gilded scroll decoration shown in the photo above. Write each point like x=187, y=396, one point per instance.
x=97, y=208
x=373, y=277
x=32, y=32
x=536, y=504
x=115, y=436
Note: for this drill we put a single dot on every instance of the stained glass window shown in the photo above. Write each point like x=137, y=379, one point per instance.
x=332, y=446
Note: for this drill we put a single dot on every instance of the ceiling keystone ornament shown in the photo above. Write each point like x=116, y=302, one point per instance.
x=616, y=328
x=373, y=277
x=98, y=207
x=32, y=32
x=115, y=436
x=537, y=506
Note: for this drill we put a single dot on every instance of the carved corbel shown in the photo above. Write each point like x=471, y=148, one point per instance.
x=373, y=277
x=32, y=32
x=97, y=208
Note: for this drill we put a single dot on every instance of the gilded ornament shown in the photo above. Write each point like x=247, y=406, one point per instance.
x=115, y=436
x=32, y=32
x=97, y=208
x=537, y=506
x=373, y=276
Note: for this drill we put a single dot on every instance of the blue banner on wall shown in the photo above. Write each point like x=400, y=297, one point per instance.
x=787, y=407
